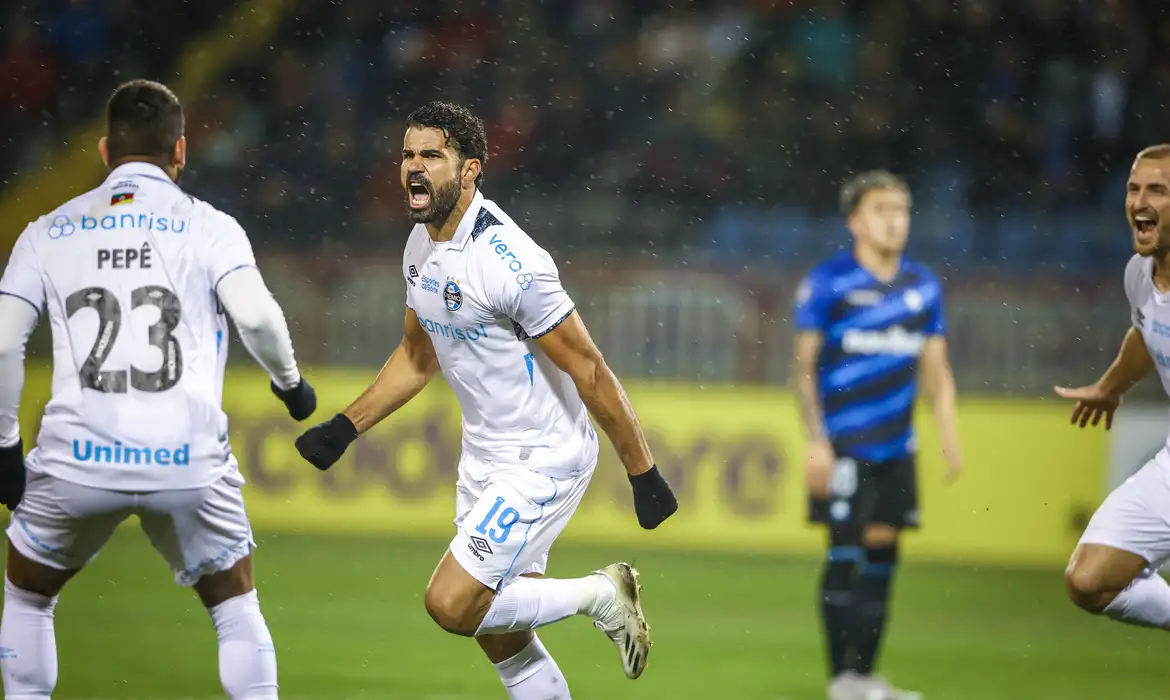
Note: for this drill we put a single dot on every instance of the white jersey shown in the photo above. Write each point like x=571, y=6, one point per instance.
x=484, y=297
x=127, y=273
x=1150, y=313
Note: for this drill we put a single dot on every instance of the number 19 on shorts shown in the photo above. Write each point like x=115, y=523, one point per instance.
x=493, y=530
x=499, y=531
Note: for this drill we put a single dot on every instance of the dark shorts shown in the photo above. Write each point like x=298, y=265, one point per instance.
x=865, y=493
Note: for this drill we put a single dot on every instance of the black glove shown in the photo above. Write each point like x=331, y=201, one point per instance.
x=323, y=444
x=12, y=474
x=653, y=499
x=300, y=400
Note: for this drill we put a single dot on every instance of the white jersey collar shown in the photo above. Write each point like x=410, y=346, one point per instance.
x=467, y=223
x=140, y=169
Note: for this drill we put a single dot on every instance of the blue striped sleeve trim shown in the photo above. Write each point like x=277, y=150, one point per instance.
x=553, y=327
x=25, y=300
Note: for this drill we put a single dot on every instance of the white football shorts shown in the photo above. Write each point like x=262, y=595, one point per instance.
x=508, y=520
x=200, y=531
x=1136, y=516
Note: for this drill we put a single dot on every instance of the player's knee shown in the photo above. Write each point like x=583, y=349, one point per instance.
x=879, y=536
x=1085, y=589
x=27, y=575
x=221, y=586
x=451, y=612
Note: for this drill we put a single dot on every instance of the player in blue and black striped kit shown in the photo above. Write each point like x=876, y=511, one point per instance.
x=869, y=323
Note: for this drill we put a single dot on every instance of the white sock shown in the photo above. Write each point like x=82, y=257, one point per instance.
x=1145, y=602
x=528, y=603
x=28, y=645
x=247, y=658
x=533, y=675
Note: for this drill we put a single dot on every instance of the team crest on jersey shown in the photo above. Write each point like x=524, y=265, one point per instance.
x=914, y=300
x=452, y=295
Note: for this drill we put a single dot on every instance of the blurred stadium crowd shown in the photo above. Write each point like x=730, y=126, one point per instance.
x=710, y=124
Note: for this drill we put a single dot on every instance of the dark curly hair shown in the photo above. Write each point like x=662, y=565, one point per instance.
x=464, y=131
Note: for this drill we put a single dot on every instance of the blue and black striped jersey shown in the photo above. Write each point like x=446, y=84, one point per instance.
x=873, y=334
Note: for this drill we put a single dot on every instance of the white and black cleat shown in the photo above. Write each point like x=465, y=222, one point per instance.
x=623, y=622
x=874, y=688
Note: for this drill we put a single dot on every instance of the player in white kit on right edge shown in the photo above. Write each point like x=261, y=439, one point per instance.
x=135, y=277
x=1113, y=570
x=486, y=307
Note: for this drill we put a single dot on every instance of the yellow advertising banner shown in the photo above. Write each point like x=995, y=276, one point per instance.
x=732, y=454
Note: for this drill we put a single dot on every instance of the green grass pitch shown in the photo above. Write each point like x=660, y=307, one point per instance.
x=348, y=621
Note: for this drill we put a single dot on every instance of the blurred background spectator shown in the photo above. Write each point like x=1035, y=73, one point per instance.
x=740, y=115
x=709, y=135
x=681, y=160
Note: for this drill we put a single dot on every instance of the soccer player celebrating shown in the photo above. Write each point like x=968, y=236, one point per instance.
x=864, y=320
x=485, y=307
x=135, y=277
x=1113, y=569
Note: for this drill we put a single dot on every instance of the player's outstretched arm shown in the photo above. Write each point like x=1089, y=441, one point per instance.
x=1101, y=399
x=403, y=376
x=18, y=318
x=938, y=383
x=264, y=332
x=1132, y=364
x=572, y=350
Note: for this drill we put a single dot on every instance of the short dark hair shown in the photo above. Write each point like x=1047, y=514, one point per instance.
x=1159, y=151
x=464, y=131
x=856, y=187
x=144, y=119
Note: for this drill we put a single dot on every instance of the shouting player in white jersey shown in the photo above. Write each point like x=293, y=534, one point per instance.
x=1114, y=568
x=485, y=306
x=135, y=277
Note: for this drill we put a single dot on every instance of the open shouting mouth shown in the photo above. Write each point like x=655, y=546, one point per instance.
x=418, y=194
x=1145, y=226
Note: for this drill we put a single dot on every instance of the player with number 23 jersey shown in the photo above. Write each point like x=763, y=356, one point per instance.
x=136, y=279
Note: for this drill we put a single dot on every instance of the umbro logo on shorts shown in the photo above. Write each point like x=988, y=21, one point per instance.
x=481, y=545
x=478, y=546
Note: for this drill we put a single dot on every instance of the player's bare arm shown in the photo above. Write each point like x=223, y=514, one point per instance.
x=938, y=384
x=808, y=348
x=405, y=374
x=819, y=455
x=572, y=350
x=410, y=367
x=1102, y=398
